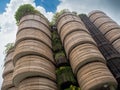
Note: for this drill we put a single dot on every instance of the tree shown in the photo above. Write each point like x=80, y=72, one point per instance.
x=25, y=10
x=8, y=47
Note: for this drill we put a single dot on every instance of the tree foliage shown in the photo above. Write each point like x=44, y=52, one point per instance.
x=56, y=15
x=8, y=47
x=25, y=10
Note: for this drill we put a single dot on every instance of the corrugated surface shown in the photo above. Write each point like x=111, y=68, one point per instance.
x=95, y=76
x=108, y=27
x=27, y=47
x=37, y=83
x=30, y=66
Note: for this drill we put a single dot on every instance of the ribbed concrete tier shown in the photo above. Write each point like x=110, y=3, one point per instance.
x=31, y=65
x=70, y=27
x=75, y=39
x=8, y=68
x=96, y=13
x=105, y=28
x=9, y=56
x=34, y=34
x=108, y=27
x=37, y=83
x=116, y=42
x=95, y=76
x=32, y=47
x=35, y=22
x=102, y=20
x=66, y=18
x=13, y=88
x=39, y=18
x=83, y=54
x=116, y=45
x=113, y=35
x=7, y=82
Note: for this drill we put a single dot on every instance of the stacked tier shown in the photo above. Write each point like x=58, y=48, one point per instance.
x=37, y=83
x=8, y=71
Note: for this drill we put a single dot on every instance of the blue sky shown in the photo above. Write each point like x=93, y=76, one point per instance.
x=8, y=27
x=49, y=5
x=3, y=5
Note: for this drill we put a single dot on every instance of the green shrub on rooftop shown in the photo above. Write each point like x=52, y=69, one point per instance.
x=25, y=10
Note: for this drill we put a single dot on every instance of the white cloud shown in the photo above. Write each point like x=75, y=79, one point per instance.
x=4, y=39
x=81, y=6
x=49, y=15
x=85, y=6
x=8, y=26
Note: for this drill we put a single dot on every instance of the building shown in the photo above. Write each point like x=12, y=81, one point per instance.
x=78, y=53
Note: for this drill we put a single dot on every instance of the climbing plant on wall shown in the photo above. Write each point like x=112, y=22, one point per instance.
x=8, y=47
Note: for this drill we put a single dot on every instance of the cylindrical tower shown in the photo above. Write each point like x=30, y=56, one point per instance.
x=33, y=57
x=82, y=52
x=111, y=55
x=107, y=26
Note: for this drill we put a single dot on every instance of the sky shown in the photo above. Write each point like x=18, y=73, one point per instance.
x=8, y=27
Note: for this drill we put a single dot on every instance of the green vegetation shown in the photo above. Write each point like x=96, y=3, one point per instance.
x=55, y=35
x=56, y=43
x=25, y=10
x=65, y=75
x=59, y=54
x=8, y=47
x=112, y=88
x=72, y=88
x=63, y=69
x=56, y=15
x=57, y=47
